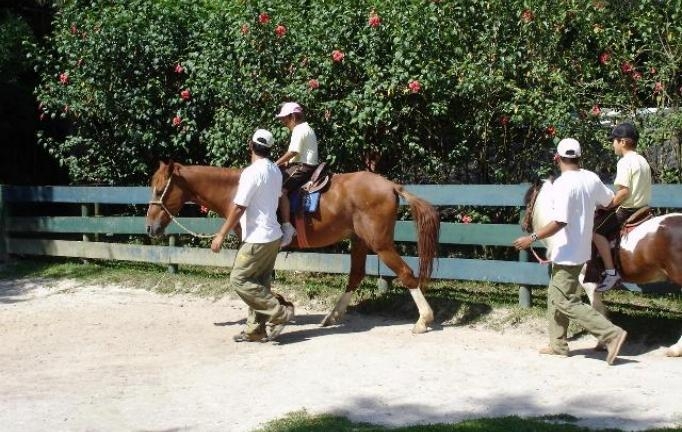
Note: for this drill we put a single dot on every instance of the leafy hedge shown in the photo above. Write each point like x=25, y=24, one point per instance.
x=423, y=91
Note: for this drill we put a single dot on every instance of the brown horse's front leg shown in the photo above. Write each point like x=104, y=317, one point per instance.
x=358, y=256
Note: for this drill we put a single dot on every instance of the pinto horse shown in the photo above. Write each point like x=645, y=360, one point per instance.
x=651, y=252
x=359, y=205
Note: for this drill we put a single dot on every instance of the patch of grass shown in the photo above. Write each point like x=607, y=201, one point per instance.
x=301, y=421
x=650, y=318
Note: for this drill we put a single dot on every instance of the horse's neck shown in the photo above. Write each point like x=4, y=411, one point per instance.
x=212, y=187
x=541, y=213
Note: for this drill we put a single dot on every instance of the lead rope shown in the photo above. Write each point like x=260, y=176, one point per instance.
x=159, y=202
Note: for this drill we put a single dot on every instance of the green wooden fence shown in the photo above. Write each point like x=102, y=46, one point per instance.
x=25, y=235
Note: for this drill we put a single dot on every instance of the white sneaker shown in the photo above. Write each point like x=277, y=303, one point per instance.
x=608, y=281
x=288, y=232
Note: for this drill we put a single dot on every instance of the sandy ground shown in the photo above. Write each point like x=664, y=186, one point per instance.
x=76, y=358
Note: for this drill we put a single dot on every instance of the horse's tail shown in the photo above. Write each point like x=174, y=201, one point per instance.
x=428, y=228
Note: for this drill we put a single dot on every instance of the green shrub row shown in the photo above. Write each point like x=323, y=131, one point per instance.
x=474, y=91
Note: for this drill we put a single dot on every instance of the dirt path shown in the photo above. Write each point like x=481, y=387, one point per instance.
x=114, y=359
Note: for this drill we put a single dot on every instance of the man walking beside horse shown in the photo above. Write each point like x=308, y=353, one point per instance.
x=577, y=192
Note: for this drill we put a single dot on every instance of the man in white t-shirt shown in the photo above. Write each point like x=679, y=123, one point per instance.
x=255, y=209
x=577, y=192
x=633, y=191
x=298, y=163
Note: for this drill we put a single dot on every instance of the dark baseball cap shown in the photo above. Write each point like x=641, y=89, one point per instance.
x=624, y=130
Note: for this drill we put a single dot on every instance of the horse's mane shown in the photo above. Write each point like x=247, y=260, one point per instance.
x=529, y=201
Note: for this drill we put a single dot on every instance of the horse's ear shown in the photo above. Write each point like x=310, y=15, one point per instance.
x=170, y=168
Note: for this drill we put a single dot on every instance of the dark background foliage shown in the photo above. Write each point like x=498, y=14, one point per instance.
x=468, y=91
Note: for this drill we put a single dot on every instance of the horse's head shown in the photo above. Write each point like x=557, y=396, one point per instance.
x=538, y=201
x=167, y=198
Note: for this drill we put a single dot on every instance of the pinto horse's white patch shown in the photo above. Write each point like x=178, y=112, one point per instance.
x=630, y=240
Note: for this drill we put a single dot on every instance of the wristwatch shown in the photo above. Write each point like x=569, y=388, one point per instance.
x=534, y=237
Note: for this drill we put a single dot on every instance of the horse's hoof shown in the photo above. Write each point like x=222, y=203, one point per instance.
x=329, y=320
x=674, y=351
x=420, y=327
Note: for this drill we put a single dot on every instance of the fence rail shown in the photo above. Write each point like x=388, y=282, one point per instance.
x=22, y=234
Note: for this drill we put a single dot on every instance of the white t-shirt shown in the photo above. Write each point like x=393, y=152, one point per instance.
x=634, y=173
x=304, y=142
x=576, y=195
x=260, y=186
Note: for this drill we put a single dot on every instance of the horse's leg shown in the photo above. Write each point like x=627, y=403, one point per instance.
x=675, y=350
x=358, y=256
x=674, y=270
x=391, y=258
x=594, y=296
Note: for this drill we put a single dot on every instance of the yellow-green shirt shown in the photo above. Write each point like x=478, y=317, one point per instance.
x=634, y=173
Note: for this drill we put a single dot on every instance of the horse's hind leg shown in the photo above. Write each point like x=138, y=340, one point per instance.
x=358, y=256
x=391, y=258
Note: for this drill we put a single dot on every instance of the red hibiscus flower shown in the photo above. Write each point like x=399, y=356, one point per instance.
x=280, y=31
x=550, y=131
x=64, y=78
x=374, y=20
x=185, y=95
x=414, y=86
x=338, y=55
x=263, y=18
x=179, y=69
x=626, y=68
x=604, y=57
x=245, y=29
x=527, y=16
x=313, y=84
x=596, y=110
x=504, y=120
x=177, y=120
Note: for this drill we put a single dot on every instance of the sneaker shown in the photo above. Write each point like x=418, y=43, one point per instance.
x=249, y=337
x=614, y=345
x=548, y=350
x=607, y=282
x=275, y=329
x=288, y=233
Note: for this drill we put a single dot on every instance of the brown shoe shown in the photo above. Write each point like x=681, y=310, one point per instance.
x=548, y=350
x=613, y=346
x=249, y=337
x=274, y=329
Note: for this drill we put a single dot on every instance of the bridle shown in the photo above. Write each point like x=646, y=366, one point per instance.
x=159, y=202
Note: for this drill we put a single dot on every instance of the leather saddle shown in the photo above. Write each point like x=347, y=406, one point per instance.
x=318, y=180
x=595, y=265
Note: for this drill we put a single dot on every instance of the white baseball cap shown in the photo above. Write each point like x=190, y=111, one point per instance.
x=568, y=148
x=263, y=137
x=289, y=108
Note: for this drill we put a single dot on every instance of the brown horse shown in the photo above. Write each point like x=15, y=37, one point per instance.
x=651, y=252
x=360, y=205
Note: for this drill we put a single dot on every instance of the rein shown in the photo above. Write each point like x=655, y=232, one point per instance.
x=159, y=202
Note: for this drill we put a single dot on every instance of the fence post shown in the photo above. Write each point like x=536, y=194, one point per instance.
x=525, y=294
x=3, y=230
x=97, y=214
x=86, y=238
x=172, y=268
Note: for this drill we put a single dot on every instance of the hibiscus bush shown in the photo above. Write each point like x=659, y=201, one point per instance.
x=473, y=91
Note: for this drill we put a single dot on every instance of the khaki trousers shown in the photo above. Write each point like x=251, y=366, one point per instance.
x=564, y=304
x=251, y=278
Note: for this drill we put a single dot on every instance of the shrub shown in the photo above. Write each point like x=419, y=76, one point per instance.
x=422, y=91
